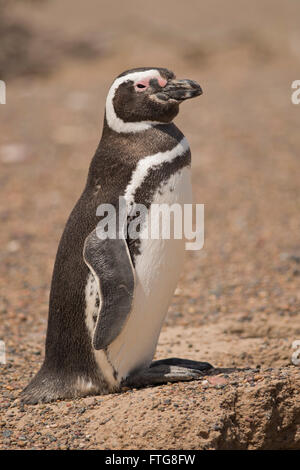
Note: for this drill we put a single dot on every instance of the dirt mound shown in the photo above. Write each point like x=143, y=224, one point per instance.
x=231, y=408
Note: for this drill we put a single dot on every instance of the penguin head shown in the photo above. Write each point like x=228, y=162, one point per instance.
x=143, y=97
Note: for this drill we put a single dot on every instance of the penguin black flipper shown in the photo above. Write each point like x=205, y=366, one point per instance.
x=110, y=262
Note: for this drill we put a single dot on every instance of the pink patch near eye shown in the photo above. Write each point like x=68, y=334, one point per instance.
x=142, y=84
x=162, y=81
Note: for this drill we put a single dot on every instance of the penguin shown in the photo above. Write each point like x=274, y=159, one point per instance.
x=109, y=297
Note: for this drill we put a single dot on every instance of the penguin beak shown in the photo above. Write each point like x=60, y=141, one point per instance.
x=180, y=90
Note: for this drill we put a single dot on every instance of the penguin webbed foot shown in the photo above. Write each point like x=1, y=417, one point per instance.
x=168, y=370
x=187, y=363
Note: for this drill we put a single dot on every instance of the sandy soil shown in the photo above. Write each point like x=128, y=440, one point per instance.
x=237, y=304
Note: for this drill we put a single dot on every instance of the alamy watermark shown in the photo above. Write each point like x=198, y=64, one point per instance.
x=159, y=221
x=296, y=94
x=296, y=353
x=2, y=92
x=2, y=352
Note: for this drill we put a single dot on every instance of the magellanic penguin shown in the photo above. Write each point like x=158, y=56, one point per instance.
x=109, y=297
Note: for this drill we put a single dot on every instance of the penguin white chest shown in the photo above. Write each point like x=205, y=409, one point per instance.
x=157, y=269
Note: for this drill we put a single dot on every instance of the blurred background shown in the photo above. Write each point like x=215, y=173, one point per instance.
x=58, y=59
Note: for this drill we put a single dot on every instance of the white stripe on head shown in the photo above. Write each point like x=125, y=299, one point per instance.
x=147, y=163
x=114, y=122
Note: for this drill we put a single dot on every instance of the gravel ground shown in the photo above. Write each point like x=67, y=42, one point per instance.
x=237, y=304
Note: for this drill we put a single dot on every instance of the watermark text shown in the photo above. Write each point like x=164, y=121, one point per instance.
x=296, y=353
x=159, y=221
x=2, y=92
x=296, y=94
x=2, y=352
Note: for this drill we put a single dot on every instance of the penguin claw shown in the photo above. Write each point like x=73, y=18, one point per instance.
x=178, y=373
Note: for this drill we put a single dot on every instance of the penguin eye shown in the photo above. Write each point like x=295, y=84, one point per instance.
x=142, y=85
